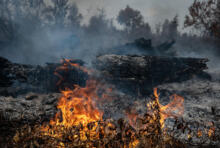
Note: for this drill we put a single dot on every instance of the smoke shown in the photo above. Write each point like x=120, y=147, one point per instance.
x=154, y=11
x=53, y=32
x=46, y=31
x=199, y=47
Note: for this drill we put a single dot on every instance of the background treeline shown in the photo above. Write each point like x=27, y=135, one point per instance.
x=35, y=31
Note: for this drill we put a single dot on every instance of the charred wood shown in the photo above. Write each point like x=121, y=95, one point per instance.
x=150, y=68
x=148, y=71
x=137, y=72
x=16, y=79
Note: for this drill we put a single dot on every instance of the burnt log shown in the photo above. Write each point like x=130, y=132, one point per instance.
x=152, y=68
x=148, y=71
x=135, y=71
x=17, y=79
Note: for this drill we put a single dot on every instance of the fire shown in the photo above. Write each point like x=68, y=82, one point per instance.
x=67, y=62
x=199, y=133
x=174, y=109
x=79, y=121
x=66, y=66
x=78, y=106
x=211, y=131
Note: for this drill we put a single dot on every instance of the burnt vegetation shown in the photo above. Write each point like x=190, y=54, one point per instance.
x=109, y=103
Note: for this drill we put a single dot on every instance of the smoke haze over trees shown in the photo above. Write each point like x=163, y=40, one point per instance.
x=33, y=31
x=205, y=15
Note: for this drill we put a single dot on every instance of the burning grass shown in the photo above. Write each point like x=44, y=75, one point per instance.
x=85, y=128
x=80, y=123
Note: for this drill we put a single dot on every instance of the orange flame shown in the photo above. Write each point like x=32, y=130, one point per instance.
x=174, y=109
x=78, y=106
x=211, y=131
x=66, y=64
x=199, y=133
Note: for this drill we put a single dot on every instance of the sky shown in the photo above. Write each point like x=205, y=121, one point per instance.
x=154, y=11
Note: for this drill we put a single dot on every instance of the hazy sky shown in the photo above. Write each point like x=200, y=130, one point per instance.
x=154, y=11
